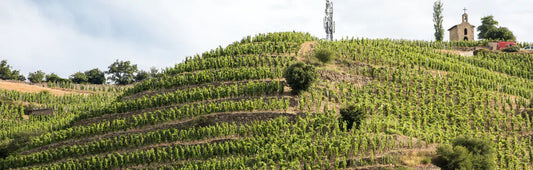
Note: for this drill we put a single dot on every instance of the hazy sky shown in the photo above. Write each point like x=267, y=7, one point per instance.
x=64, y=37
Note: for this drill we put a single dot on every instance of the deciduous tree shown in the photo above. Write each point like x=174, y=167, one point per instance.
x=95, y=76
x=79, y=78
x=122, y=72
x=36, y=77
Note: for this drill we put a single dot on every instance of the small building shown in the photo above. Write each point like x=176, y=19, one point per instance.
x=463, y=31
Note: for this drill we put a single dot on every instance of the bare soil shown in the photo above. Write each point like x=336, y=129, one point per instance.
x=343, y=77
x=26, y=87
x=306, y=49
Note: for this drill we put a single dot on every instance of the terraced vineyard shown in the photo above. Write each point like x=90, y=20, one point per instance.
x=231, y=108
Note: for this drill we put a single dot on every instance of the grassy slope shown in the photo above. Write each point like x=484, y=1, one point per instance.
x=416, y=98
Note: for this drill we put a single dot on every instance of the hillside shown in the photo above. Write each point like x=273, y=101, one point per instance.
x=231, y=108
x=28, y=88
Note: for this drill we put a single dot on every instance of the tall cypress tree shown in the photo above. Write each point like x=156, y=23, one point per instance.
x=437, y=20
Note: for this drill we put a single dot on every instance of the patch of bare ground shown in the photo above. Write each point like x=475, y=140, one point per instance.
x=30, y=88
x=344, y=77
x=306, y=49
x=456, y=52
x=136, y=112
x=148, y=147
x=242, y=117
x=416, y=158
x=438, y=73
x=150, y=93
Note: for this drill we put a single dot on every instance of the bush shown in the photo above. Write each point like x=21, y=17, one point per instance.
x=352, y=116
x=300, y=76
x=513, y=48
x=466, y=153
x=324, y=55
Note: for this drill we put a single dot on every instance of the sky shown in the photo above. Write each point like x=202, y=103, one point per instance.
x=64, y=37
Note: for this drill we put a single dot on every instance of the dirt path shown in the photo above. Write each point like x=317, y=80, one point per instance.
x=25, y=87
x=306, y=49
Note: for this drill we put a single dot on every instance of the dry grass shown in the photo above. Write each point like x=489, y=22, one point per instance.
x=25, y=87
x=416, y=158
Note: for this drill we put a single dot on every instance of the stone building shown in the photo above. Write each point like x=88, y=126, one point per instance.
x=463, y=31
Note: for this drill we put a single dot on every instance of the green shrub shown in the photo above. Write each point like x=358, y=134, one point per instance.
x=466, y=153
x=324, y=55
x=352, y=116
x=300, y=76
x=513, y=48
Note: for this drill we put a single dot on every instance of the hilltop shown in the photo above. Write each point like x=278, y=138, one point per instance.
x=231, y=108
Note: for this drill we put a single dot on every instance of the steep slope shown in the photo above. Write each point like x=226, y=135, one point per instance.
x=230, y=108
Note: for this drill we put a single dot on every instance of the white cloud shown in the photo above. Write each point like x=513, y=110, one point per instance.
x=69, y=36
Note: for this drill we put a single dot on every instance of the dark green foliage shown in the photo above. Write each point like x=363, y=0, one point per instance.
x=466, y=153
x=79, y=78
x=437, y=20
x=300, y=76
x=95, y=76
x=122, y=72
x=487, y=23
x=36, y=77
x=514, y=48
x=488, y=30
x=352, y=116
x=501, y=33
x=324, y=55
x=5, y=70
x=55, y=78
x=142, y=75
x=15, y=75
x=7, y=74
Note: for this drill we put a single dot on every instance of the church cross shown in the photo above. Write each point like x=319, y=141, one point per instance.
x=465, y=10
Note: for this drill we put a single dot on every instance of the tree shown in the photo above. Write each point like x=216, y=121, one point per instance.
x=54, y=78
x=7, y=74
x=79, y=78
x=324, y=55
x=36, y=77
x=142, y=75
x=300, y=76
x=95, y=76
x=501, y=33
x=489, y=30
x=122, y=72
x=5, y=70
x=487, y=23
x=352, y=115
x=437, y=20
x=15, y=75
x=467, y=153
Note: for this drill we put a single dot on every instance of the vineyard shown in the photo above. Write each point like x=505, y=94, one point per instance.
x=231, y=108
